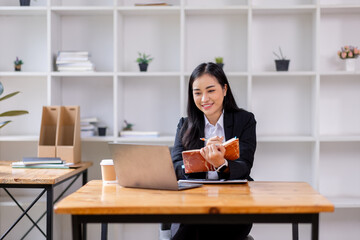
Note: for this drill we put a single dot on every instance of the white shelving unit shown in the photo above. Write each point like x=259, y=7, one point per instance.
x=308, y=118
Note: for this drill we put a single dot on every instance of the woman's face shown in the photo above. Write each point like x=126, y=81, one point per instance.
x=209, y=96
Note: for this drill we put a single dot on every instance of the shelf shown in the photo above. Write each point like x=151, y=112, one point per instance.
x=82, y=74
x=151, y=10
x=23, y=74
x=289, y=73
x=90, y=10
x=345, y=202
x=339, y=73
x=19, y=138
x=216, y=10
x=300, y=9
x=285, y=139
x=148, y=74
x=343, y=9
x=335, y=138
x=168, y=140
x=23, y=11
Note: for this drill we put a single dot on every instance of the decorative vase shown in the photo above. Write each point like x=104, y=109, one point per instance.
x=282, y=65
x=143, y=67
x=350, y=64
x=24, y=2
x=17, y=68
x=220, y=65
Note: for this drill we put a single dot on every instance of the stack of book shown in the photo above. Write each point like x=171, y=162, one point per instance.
x=77, y=61
x=88, y=126
x=41, y=162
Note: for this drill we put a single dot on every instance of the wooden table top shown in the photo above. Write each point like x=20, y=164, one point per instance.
x=9, y=175
x=250, y=198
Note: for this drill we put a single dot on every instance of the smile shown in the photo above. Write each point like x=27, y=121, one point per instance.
x=207, y=106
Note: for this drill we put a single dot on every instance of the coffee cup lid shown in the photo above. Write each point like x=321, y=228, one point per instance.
x=107, y=162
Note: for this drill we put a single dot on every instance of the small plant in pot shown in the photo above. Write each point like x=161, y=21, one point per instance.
x=143, y=61
x=219, y=61
x=18, y=62
x=282, y=64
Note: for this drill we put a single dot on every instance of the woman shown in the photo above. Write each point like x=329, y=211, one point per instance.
x=214, y=115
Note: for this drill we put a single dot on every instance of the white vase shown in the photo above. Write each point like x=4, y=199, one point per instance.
x=350, y=64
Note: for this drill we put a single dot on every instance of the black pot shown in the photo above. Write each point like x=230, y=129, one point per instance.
x=143, y=67
x=17, y=68
x=24, y=2
x=102, y=131
x=282, y=65
x=220, y=65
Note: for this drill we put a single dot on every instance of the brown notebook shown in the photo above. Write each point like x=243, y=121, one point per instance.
x=194, y=162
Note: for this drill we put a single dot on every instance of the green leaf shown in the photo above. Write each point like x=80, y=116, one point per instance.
x=13, y=113
x=9, y=95
x=2, y=124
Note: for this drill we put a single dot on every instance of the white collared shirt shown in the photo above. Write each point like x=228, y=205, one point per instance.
x=212, y=131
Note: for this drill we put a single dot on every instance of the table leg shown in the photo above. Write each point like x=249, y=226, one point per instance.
x=295, y=231
x=315, y=227
x=104, y=231
x=84, y=177
x=76, y=228
x=49, y=210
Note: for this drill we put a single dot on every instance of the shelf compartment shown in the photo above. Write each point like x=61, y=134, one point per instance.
x=287, y=73
x=300, y=29
x=32, y=51
x=339, y=99
x=155, y=35
x=94, y=95
x=152, y=11
x=231, y=42
x=80, y=11
x=283, y=105
x=30, y=99
x=339, y=168
x=84, y=33
x=149, y=74
x=216, y=10
x=340, y=26
x=239, y=86
x=287, y=161
x=151, y=104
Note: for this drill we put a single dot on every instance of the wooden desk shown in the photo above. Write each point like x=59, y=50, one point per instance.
x=45, y=179
x=257, y=202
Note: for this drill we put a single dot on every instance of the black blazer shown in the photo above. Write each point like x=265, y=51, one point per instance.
x=241, y=124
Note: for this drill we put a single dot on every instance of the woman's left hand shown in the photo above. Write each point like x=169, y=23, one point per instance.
x=214, y=154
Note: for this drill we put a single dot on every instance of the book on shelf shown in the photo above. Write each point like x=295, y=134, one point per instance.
x=194, y=161
x=152, y=4
x=74, y=61
x=139, y=134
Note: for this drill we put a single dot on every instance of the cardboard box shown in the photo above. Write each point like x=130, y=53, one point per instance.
x=68, y=142
x=48, y=131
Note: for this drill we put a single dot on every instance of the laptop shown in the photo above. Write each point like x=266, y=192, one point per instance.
x=145, y=166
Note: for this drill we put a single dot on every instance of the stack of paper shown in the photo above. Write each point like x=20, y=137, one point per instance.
x=40, y=162
x=88, y=126
x=74, y=61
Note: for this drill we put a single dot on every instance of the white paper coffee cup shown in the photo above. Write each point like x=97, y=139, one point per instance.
x=108, y=171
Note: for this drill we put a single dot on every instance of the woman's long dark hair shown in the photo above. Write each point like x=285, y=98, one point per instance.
x=192, y=129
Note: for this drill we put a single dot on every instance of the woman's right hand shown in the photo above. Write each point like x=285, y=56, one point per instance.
x=215, y=141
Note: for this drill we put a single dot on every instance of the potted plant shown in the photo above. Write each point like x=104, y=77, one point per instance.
x=282, y=64
x=219, y=61
x=349, y=54
x=24, y=2
x=143, y=61
x=9, y=113
x=18, y=62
